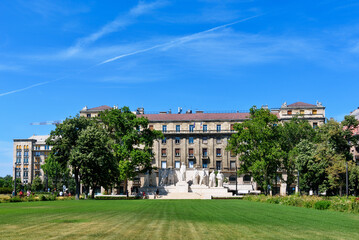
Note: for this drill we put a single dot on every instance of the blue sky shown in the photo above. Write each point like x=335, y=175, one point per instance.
x=58, y=56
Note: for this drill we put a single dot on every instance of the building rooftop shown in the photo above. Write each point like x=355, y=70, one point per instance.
x=40, y=139
x=301, y=104
x=196, y=116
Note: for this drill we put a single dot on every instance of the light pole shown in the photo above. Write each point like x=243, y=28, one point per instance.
x=15, y=183
x=298, y=184
x=236, y=180
x=346, y=179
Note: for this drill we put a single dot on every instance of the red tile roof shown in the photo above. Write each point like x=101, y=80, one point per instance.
x=196, y=116
x=301, y=104
x=100, y=108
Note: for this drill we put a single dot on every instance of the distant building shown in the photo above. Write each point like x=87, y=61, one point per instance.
x=29, y=155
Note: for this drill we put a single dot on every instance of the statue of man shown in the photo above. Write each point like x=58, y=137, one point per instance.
x=212, y=179
x=147, y=180
x=220, y=177
x=183, y=172
x=163, y=177
x=171, y=177
x=202, y=177
x=195, y=177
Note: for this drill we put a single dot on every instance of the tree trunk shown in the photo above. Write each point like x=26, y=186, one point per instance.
x=77, y=197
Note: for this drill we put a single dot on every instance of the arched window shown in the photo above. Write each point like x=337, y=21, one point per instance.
x=247, y=178
x=232, y=178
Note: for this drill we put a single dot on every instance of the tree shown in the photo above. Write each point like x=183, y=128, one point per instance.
x=6, y=181
x=337, y=138
x=53, y=170
x=257, y=143
x=311, y=165
x=93, y=150
x=291, y=134
x=37, y=184
x=133, y=141
x=64, y=140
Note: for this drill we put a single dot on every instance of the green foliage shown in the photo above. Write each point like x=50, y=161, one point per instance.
x=6, y=181
x=117, y=197
x=64, y=140
x=257, y=142
x=132, y=141
x=340, y=204
x=322, y=205
x=93, y=150
x=6, y=190
x=37, y=184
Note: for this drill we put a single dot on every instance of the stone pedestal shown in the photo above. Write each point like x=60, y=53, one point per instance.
x=182, y=187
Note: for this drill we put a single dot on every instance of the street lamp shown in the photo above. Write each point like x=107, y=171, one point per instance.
x=236, y=181
x=15, y=182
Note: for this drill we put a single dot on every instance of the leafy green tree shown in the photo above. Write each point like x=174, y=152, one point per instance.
x=338, y=139
x=133, y=141
x=291, y=134
x=93, y=150
x=6, y=181
x=64, y=141
x=37, y=184
x=53, y=170
x=354, y=179
x=257, y=143
x=311, y=165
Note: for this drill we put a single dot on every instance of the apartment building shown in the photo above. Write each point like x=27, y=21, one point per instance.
x=199, y=139
x=29, y=155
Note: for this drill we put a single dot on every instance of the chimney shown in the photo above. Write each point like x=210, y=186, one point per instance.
x=199, y=111
x=163, y=112
x=189, y=111
x=140, y=110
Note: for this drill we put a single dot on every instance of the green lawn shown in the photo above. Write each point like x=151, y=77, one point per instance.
x=171, y=219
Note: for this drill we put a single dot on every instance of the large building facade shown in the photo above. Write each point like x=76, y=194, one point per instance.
x=29, y=154
x=199, y=139
x=196, y=139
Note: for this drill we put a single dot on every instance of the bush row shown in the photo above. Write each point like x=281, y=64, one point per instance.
x=341, y=204
x=5, y=190
x=117, y=197
x=32, y=198
x=227, y=197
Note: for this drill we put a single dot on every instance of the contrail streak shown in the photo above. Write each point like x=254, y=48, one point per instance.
x=176, y=41
x=170, y=43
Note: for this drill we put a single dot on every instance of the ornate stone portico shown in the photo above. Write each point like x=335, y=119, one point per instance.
x=193, y=182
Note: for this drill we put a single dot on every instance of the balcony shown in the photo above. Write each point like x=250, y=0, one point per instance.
x=205, y=156
x=191, y=156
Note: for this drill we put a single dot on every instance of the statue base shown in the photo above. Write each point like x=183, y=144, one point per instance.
x=182, y=187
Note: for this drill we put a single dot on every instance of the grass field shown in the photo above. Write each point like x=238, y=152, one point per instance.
x=171, y=219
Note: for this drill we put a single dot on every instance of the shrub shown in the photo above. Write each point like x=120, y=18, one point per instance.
x=322, y=205
x=15, y=199
x=5, y=190
x=117, y=197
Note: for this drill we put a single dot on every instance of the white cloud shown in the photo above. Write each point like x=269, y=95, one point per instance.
x=120, y=22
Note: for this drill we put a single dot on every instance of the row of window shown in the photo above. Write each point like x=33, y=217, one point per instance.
x=191, y=152
x=205, y=163
x=191, y=140
x=192, y=127
x=290, y=112
x=19, y=147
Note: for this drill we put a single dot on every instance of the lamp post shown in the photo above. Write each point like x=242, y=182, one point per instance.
x=346, y=179
x=298, y=184
x=236, y=180
x=15, y=182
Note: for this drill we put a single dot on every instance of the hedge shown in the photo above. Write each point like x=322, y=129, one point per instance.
x=116, y=197
x=341, y=204
x=5, y=190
